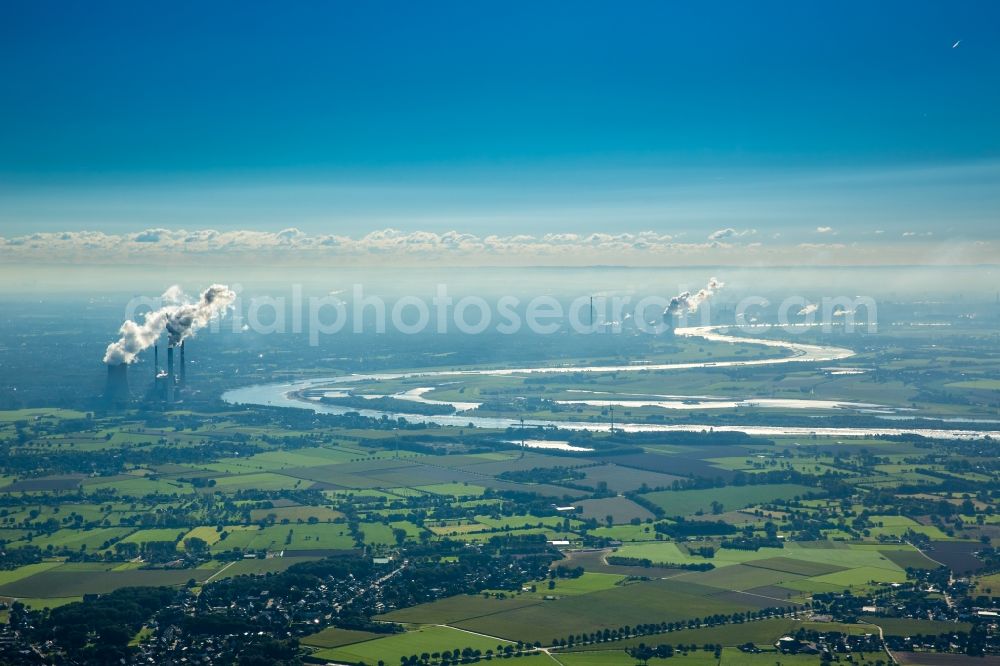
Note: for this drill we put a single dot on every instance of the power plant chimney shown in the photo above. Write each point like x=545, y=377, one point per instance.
x=161, y=390
x=170, y=373
x=117, y=392
x=181, y=380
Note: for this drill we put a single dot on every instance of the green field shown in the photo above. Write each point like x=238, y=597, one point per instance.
x=904, y=627
x=295, y=514
x=322, y=536
x=762, y=633
x=333, y=637
x=621, y=509
x=74, y=583
x=612, y=657
x=730, y=657
x=140, y=487
x=455, y=609
x=163, y=534
x=982, y=384
x=88, y=540
x=9, y=576
x=258, y=566
x=261, y=481
x=797, y=566
x=739, y=577
x=418, y=641
x=585, y=584
x=456, y=490
x=656, y=601
x=688, y=502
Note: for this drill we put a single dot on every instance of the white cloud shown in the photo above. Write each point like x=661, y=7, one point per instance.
x=288, y=235
x=722, y=234
x=390, y=246
x=824, y=230
x=725, y=234
x=150, y=235
x=163, y=242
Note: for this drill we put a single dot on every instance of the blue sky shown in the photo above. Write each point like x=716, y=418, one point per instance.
x=502, y=118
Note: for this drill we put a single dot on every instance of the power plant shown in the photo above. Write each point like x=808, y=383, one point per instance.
x=688, y=303
x=179, y=319
x=168, y=386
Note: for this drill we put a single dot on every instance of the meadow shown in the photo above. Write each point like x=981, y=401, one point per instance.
x=430, y=639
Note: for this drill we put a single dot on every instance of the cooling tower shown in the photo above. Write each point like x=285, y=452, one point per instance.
x=116, y=392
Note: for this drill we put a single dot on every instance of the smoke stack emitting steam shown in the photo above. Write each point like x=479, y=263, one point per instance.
x=808, y=309
x=688, y=302
x=180, y=319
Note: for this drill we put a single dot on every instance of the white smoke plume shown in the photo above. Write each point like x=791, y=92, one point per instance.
x=180, y=318
x=808, y=309
x=688, y=302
